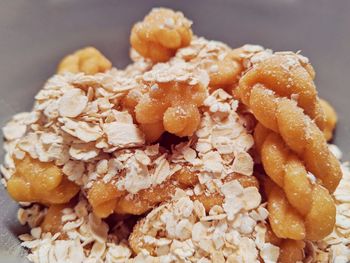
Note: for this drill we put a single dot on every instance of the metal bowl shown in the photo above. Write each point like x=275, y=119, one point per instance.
x=36, y=34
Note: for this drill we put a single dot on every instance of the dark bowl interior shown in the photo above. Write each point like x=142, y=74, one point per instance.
x=36, y=34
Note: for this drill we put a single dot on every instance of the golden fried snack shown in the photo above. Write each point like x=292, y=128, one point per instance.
x=146, y=199
x=331, y=119
x=285, y=221
x=293, y=200
x=103, y=197
x=152, y=131
x=53, y=219
x=224, y=72
x=107, y=199
x=291, y=251
x=87, y=60
x=226, y=68
x=286, y=170
x=36, y=181
x=286, y=75
x=170, y=106
x=267, y=88
x=160, y=34
x=311, y=146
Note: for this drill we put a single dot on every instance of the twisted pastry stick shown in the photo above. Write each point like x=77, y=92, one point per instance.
x=285, y=74
x=267, y=88
x=298, y=209
x=302, y=209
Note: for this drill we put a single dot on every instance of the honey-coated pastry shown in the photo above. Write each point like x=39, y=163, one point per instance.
x=160, y=34
x=172, y=107
x=87, y=60
x=223, y=72
x=53, y=219
x=293, y=140
x=103, y=198
x=330, y=119
x=284, y=74
x=298, y=208
x=267, y=89
x=301, y=135
x=36, y=181
x=107, y=199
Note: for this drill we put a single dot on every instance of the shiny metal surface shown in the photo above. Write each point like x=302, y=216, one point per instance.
x=34, y=35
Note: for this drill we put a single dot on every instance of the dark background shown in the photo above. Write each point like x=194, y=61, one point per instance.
x=35, y=34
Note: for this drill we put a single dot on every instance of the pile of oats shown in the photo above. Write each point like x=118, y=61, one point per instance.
x=181, y=231
x=79, y=123
x=87, y=238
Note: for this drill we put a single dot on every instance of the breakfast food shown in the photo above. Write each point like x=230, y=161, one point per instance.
x=195, y=152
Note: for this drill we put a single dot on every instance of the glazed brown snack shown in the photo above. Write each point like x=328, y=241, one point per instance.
x=53, y=219
x=289, y=173
x=157, y=163
x=88, y=60
x=284, y=74
x=36, y=181
x=170, y=100
x=258, y=90
x=106, y=199
x=160, y=34
x=283, y=116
